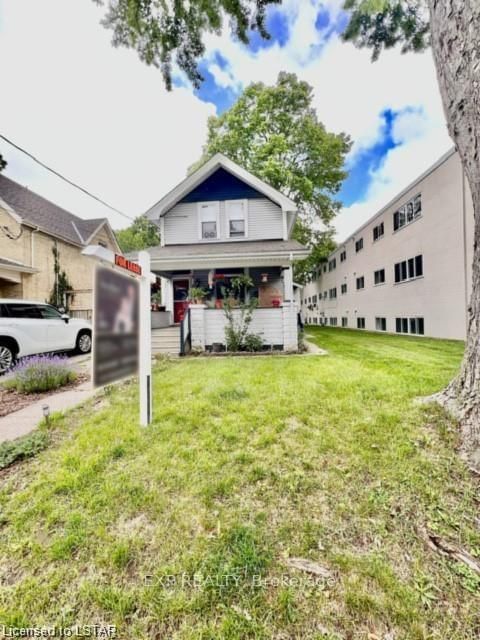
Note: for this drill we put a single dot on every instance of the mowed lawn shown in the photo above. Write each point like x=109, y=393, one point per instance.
x=185, y=529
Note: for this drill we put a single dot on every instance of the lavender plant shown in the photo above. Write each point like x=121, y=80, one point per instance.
x=40, y=373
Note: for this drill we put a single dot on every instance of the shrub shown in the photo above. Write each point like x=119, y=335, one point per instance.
x=253, y=342
x=22, y=448
x=40, y=373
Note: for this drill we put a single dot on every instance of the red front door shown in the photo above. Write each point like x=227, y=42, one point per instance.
x=180, y=299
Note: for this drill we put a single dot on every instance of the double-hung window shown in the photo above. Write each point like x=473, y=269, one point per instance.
x=208, y=220
x=236, y=211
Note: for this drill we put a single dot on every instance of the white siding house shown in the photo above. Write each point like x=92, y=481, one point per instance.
x=222, y=221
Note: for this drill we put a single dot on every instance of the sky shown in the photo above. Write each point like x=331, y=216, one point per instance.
x=102, y=118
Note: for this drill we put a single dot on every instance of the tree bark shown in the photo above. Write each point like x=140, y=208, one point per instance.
x=455, y=32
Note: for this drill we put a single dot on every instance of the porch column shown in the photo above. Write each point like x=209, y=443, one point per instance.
x=288, y=284
x=197, y=318
x=167, y=294
x=290, y=331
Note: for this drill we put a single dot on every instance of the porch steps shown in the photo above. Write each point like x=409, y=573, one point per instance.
x=166, y=340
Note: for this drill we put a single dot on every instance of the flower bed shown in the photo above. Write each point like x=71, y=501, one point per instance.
x=39, y=374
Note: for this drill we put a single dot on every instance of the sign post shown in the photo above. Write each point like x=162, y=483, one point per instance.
x=122, y=344
x=145, y=352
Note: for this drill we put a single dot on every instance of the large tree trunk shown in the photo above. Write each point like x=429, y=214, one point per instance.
x=455, y=30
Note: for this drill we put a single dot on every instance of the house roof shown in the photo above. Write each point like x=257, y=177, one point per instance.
x=223, y=254
x=36, y=211
x=197, y=177
x=206, y=249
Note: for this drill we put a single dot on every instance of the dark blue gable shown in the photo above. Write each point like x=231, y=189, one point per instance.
x=221, y=185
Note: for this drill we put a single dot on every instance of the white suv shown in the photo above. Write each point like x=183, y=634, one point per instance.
x=28, y=328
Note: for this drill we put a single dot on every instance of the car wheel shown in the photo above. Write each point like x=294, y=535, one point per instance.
x=7, y=357
x=84, y=342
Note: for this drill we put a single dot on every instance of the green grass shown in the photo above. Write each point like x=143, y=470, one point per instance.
x=165, y=531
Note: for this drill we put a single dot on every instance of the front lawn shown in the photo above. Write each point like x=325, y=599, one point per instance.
x=185, y=529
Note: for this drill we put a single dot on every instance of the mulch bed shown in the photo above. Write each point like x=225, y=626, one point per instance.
x=11, y=400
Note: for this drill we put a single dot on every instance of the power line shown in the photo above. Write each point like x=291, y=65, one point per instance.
x=70, y=182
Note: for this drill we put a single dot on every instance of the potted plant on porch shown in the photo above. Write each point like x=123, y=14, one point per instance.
x=196, y=295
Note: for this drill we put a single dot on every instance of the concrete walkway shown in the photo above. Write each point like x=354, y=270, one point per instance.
x=24, y=420
x=312, y=348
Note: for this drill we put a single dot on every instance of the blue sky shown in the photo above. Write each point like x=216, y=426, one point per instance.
x=105, y=119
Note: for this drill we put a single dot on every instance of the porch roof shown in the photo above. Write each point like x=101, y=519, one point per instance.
x=242, y=253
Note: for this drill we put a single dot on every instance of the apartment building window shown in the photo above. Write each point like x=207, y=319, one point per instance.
x=409, y=269
x=314, y=300
x=410, y=325
x=333, y=322
x=324, y=268
x=343, y=288
x=379, y=276
x=417, y=326
x=333, y=293
x=378, y=231
x=332, y=264
x=344, y=322
x=359, y=245
x=408, y=213
x=325, y=295
x=381, y=324
x=361, y=283
x=360, y=323
x=343, y=256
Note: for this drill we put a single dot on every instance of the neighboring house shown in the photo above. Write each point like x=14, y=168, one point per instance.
x=409, y=268
x=219, y=222
x=31, y=228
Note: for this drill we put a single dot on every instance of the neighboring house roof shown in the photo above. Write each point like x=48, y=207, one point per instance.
x=218, y=161
x=35, y=211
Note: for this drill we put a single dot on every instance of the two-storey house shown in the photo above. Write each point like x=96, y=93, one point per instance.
x=222, y=221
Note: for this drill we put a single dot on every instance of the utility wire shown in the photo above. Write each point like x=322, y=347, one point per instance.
x=70, y=182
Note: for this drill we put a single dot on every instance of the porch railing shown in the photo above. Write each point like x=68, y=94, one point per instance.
x=185, y=333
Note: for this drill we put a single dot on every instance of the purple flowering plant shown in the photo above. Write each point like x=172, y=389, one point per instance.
x=40, y=373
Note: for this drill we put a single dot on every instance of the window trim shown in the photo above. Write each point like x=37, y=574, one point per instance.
x=228, y=218
x=199, y=219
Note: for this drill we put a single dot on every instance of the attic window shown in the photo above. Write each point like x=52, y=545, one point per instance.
x=236, y=211
x=102, y=244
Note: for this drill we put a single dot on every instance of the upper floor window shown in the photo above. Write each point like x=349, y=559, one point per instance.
x=208, y=220
x=344, y=288
x=378, y=231
x=409, y=269
x=236, y=211
x=408, y=213
x=359, y=245
x=333, y=292
x=332, y=264
x=343, y=256
x=361, y=282
x=379, y=276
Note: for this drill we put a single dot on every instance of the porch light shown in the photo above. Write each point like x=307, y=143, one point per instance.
x=264, y=277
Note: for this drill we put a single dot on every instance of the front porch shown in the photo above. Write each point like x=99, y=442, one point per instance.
x=209, y=270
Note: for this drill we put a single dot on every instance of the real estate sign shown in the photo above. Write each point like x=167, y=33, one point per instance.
x=116, y=326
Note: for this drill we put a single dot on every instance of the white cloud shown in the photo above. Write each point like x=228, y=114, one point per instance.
x=95, y=113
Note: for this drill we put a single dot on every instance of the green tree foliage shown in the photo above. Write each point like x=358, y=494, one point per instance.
x=274, y=132
x=163, y=32
x=141, y=234
x=378, y=24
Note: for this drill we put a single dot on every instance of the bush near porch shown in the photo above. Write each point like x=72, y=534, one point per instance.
x=250, y=463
